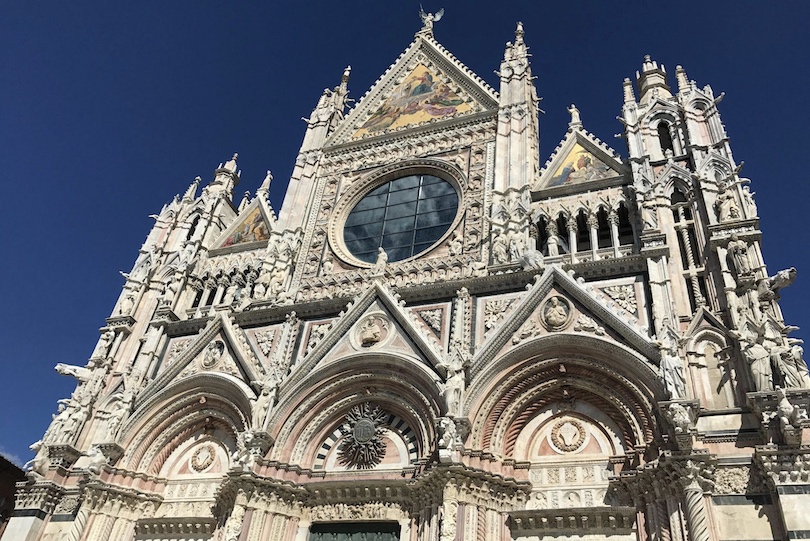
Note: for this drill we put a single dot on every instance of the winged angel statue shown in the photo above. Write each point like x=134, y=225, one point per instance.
x=429, y=18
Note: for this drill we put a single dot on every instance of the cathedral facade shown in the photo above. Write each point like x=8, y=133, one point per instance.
x=437, y=338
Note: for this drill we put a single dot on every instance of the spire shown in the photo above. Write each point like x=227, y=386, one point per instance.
x=628, y=91
x=230, y=165
x=327, y=113
x=519, y=33
x=191, y=192
x=652, y=81
x=344, y=80
x=519, y=132
x=264, y=189
x=682, y=79
x=245, y=201
x=226, y=177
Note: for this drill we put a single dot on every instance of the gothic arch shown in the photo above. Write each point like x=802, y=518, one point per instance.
x=717, y=388
x=559, y=368
x=203, y=402
x=318, y=406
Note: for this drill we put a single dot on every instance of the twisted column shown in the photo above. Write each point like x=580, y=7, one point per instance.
x=696, y=513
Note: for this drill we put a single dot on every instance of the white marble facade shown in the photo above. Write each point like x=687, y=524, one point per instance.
x=591, y=349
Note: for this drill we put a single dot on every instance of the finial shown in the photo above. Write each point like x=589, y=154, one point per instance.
x=428, y=19
x=264, y=189
x=191, y=192
x=628, y=90
x=519, y=33
x=231, y=164
x=575, y=120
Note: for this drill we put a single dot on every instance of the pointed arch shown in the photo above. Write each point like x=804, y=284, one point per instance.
x=556, y=368
x=316, y=408
x=195, y=404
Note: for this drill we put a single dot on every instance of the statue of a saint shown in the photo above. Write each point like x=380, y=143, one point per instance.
x=264, y=401
x=738, y=252
x=758, y=357
x=556, y=313
x=381, y=262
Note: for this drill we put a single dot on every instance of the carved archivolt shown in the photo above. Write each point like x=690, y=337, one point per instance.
x=520, y=391
x=401, y=391
x=167, y=420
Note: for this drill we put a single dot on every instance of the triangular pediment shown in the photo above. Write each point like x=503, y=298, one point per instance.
x=372, y=322
x=425, y=85
x=220, y=347
x=579, y=159
x=250, y=229
x=704, y=319
x=557, y=303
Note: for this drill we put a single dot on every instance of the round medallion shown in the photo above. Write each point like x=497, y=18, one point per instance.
x=556, y=313
x=371, y=332
x=212, y=354
x=364, y=430
x=203, y=457
x=568, y=435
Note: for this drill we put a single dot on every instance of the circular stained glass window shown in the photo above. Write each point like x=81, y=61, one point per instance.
x=405, y=217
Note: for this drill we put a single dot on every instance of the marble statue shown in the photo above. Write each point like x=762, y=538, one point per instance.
x=768, y=288
x=429, y=18
x=264, y=401
x=738, y=252
x=381, y=262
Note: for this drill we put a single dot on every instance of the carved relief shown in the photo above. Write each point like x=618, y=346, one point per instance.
x=495, y=310
x=203, y=457
x=587, y=324
x=363, y=447
x=556, y=313
x=433, y=318
x=568, y=435
x=213, y=353
x=265, y=341
x=372, y=331
x=624, y=297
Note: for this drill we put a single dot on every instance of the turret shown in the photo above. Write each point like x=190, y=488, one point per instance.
x=652, y=81
x=322, y=122
x=226, y=178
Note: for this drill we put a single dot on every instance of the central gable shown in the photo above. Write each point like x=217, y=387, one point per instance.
x=421, y=97
x=426, y=84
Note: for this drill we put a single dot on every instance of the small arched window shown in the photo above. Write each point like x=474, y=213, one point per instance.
x=603, y=239
x=625, y=227
x=193, y=228
x=665, y=138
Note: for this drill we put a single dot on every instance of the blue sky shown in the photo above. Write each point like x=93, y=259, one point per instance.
x=108, y=109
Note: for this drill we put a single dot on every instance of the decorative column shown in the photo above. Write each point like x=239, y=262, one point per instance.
x=613, y=220
x=572, y=238
x=676, y=525
x=694, y=476
x=593, y=226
